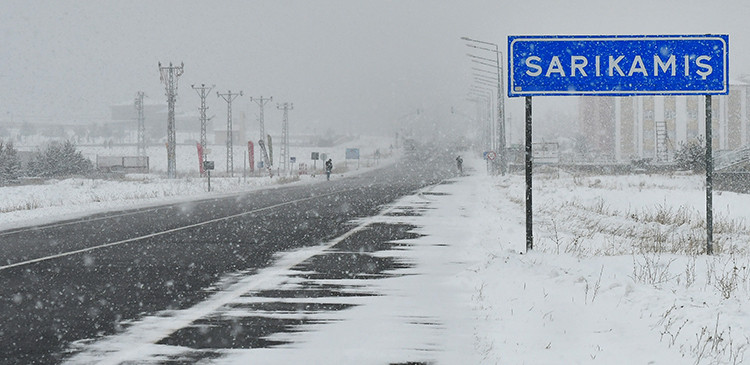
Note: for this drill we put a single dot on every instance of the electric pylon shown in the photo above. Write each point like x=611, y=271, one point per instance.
x=169, y=76
x=261, y=103
x=229, y=97
x=141, y=124
x=203, y=91
x=286, y=107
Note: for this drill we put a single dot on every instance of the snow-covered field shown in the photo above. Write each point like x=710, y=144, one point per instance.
x=616, y=277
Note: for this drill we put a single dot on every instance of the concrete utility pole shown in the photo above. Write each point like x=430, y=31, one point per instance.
x=229, y=97
x=261, y=103
x=203, y=91
x=286, y=107
x=141, y=124
x=169, y=76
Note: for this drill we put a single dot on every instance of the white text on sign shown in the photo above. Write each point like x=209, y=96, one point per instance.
x=616, y=65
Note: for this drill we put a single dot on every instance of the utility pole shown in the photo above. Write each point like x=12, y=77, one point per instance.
x=169, y=76
x=286, y=107
x=141, y=124
x=203, y=91
x=229, y=97
x=261, y=103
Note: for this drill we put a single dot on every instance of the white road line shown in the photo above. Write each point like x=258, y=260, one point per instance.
x=70, y=253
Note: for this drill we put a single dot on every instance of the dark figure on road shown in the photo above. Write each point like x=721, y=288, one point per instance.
x=460, y=163
x=329, y=167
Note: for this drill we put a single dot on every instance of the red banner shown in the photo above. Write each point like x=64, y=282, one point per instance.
x=200, y=157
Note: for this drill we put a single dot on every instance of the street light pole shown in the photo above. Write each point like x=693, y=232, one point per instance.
x=489, y=94
x=500, y=94
x=486, y=95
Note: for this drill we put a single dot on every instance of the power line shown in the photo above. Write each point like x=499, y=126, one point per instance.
x=169, y=76
x=229, y=97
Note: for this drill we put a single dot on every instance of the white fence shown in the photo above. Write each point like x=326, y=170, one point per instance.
x=126, y=164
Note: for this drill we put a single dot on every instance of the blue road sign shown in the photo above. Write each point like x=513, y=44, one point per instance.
x=618, y=65
x=352, y=153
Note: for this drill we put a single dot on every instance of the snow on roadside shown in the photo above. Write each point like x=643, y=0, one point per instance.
x=534, y=309
x=616, y=276
x=70, y=198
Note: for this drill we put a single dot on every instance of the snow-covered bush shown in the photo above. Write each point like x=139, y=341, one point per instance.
x=60, y=159
x=10, y=164
x=692, y=155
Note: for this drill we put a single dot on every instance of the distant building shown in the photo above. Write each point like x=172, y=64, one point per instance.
x=155, y=120
x=597, y=123
x=126, y=111
x=238, y=137
x=622, y=129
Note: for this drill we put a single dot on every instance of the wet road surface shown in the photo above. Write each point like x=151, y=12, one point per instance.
x=86, y=278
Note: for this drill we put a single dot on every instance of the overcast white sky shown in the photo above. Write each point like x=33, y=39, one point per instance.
x=342, y=63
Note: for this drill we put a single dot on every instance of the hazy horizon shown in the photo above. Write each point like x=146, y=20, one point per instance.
x=346, y=65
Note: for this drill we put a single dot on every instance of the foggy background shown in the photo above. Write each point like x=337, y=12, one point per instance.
x=352, y=66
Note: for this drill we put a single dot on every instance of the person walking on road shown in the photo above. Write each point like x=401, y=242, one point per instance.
x=329, y=168
x=459, y=164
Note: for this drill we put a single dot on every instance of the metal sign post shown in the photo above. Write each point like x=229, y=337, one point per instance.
x=619, y=65
x=353, y=154
x=314, y=156
x=529, y=157
x=208, y=166
x=709, y=181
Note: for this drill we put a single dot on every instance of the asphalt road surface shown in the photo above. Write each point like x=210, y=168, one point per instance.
x=81, y=279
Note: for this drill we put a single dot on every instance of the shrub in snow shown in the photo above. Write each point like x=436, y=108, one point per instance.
x=692, y=155
x=10, y=163
x=60, y=159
